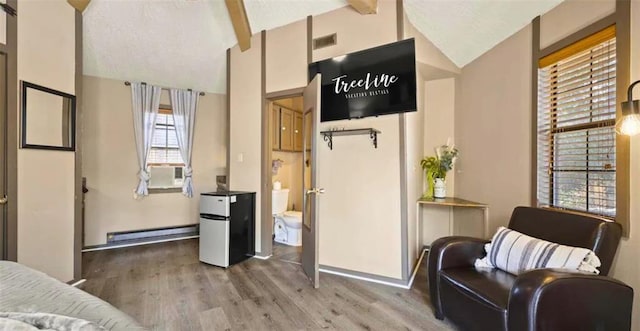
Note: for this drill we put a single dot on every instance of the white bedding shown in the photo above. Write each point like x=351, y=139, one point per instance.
x=24, y=290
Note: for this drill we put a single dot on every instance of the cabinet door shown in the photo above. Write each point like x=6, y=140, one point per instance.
x=286, y=129
x=308, y=136
x=297, y=132
x=275, y=127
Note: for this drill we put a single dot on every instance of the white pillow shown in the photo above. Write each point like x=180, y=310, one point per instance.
x=515, y=252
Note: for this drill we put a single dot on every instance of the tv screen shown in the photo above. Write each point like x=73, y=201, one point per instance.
x=376, y=81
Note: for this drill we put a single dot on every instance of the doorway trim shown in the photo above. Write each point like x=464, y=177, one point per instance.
x=78, y=236
x=266, y=228
x=11, y=51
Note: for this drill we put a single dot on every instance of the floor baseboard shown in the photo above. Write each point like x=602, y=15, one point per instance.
x=76, y=283
x=123, y=245
x=364, y=276
x=415, y=269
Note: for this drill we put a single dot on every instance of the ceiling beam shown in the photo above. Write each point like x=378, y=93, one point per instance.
x=240, y=23
x=79, y=5
x=364, y=7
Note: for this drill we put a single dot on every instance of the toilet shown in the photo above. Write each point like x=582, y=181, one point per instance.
x=287, y=225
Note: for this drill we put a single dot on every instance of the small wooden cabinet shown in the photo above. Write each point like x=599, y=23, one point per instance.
x=287, y=129
x=307, y=118
x=297, y=132
x=275, y=127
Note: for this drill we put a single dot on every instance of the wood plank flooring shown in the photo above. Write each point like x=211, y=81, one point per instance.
x=165, y=287
x=287, y=253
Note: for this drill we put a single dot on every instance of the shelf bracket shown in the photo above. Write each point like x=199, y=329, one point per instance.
x=374, y=137
x=328, y=137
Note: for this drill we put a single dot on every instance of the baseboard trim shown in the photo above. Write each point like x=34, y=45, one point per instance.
x=117, y=237
x=262, y=257
x=107, y=246
x=417, y=266
x=76, y=282
x=365, y=277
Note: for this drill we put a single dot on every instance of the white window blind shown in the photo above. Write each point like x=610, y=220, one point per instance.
x=164, y=146
x=576, y=161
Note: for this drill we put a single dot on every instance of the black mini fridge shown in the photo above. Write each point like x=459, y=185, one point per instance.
x=227, y=227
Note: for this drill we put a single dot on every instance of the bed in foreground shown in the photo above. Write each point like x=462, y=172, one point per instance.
x=24, y=290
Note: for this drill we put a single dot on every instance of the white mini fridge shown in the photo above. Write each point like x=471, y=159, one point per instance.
x=227, y=227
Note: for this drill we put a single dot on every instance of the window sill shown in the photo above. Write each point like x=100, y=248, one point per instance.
x=158, y=190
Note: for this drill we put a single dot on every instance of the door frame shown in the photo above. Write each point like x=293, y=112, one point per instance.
x=12, y=117
x=266, y=227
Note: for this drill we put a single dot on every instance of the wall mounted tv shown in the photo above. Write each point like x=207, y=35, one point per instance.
x=373, y=82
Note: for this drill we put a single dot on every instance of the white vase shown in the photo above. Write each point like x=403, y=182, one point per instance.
x=440, y=188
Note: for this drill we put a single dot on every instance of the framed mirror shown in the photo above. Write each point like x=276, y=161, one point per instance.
x=48, y=118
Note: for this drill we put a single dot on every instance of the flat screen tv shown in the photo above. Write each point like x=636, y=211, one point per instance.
x=373, y=82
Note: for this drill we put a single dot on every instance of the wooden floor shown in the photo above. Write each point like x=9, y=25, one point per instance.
x=287, y=253
x=165, y=287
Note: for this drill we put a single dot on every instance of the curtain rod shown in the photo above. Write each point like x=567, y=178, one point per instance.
x=164, y=88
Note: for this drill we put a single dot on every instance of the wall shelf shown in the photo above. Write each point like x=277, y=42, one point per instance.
x=373, y=134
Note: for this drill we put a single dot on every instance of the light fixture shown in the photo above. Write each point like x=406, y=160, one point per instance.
x=629, y=124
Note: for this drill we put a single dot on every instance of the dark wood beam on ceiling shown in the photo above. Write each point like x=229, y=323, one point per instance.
x=79, y=5
x=364, y=6
x=240, y=23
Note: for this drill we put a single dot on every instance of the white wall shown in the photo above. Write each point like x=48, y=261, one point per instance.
x=439, y=96
x=571, y=16
x=492, y=128
x=245, y=124
x=286, y=57
x=360, y=211
x=46, y=56
x=110, y=163
x=425, y=129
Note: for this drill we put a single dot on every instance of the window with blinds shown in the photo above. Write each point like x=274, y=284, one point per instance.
x=164, y=145
x=576, y=161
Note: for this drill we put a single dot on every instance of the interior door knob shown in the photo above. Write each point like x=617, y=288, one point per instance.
x=3, y=200
x=315, y=191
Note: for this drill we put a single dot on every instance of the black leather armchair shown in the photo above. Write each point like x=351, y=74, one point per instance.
x=543, y=299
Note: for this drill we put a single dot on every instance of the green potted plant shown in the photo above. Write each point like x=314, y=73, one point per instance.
x=436, y=168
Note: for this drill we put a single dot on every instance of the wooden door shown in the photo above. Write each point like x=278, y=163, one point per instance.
x=275, y=127
x=310, y=240
x=298, y=140
x=286, y=129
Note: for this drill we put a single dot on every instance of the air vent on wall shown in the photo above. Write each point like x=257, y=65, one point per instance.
x=325, y=41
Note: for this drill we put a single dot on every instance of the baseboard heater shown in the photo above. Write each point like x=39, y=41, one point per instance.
x=114, y=238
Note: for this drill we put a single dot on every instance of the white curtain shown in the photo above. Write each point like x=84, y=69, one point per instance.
x=184, y=104
x=145, y=101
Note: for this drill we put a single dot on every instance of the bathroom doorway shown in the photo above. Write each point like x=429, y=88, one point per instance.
x=285, y=158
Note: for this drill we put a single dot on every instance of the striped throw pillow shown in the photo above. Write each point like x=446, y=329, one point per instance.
x=515, y=252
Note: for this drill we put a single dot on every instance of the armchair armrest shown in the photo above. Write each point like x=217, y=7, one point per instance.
x=450, y=252
x=548, y=299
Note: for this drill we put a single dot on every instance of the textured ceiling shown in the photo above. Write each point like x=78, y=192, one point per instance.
x=465, y=29
x=176, y=43
x=182, y=43
x=269, y=14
